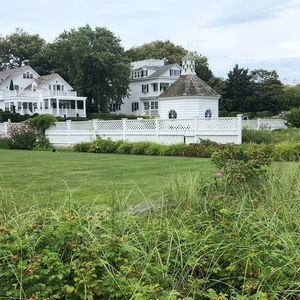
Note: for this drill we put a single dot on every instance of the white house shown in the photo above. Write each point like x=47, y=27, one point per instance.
x=189, y=96
x=24, y=91
x=149, y=78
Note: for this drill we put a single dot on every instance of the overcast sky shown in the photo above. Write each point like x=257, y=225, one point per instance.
x=253, y=33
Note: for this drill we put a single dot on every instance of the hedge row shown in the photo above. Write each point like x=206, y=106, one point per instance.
x=285, y=151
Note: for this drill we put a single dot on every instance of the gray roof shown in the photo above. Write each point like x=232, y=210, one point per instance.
x=161, y=70
x=189, y=85
x=44, y=79
x=11, y=73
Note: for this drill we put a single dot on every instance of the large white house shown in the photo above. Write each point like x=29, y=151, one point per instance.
x=24, y=91
x=168, y=91
x=149, y=78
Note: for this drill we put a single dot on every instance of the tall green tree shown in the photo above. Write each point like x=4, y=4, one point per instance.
x=268, y=91
x=238, y=90
x=19, y=48
x=94, y=62
x=291, y=97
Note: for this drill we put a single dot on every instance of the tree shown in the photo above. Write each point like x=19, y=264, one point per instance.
x=94, y=62
x=19, y=48
x=238, y=90
x=268, y=92
x=11, y=85
x=293, y=117
x=291, y=97
x=157, y=49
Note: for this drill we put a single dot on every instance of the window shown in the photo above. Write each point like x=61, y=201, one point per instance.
x=155, y=87
x=145, y=88
x=35, y=106
x=208, y=114
x=24, y=75
x=41, y=105
x=31, y=75
x=113, y=107
x=27, y=75
x=154, y=105
x=46, y=103
x=19, y=105
x=172, y=114
x=146, y=106
x=135, y=106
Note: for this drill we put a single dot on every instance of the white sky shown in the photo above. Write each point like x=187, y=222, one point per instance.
x=253, y=33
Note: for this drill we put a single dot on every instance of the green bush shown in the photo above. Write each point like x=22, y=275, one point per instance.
x=140, y=148
x=252, y=148
x=42, y=143
x=239, y=166
x=22, y=136
x=124, y=148
x=175, y=150
x=82, y=147
x=287, y=151
x=154, y=149
x=287, y=134
x=264, y=114
x=13, y=117
x=103, y=146
x=42, y=122
x=256, y=136
x=4, y=142
x=293, y=117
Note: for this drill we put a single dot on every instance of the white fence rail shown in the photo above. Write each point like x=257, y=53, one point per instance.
x=267, y=124
x=222, y=130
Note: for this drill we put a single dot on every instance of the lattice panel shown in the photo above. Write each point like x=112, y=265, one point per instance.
x=2, y=128
x=109, y=125
x=78, y=126
x=271, y=123
x=140, y=125
x=59, y=126
x=176, y=125
x=217, y=124
x=249, y=124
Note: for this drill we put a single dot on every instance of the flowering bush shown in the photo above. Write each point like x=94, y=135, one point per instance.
x=236, y=165
x=22, y=136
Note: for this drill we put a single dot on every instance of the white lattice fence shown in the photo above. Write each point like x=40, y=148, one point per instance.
x=223, y=130
x=269, y=124
x=176, y=125
x=140, y=125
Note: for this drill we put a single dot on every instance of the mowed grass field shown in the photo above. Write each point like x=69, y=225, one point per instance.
x=47, y=178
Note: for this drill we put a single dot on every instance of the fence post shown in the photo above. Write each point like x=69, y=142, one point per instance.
x=239, y=128
x=69, y=132
x=5, y=128
x=258, y=123
x=95, y=128
x=195, y=129
x=124, y=128
x=156, y=130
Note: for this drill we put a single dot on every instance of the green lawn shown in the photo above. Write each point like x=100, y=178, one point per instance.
x=51, y=178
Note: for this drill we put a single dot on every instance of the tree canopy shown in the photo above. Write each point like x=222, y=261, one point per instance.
x=94, y=62
x=19, y=48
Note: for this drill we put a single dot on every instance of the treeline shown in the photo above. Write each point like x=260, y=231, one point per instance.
x=97, y=66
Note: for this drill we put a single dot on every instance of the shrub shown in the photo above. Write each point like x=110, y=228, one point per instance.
x=287, y=151
x=154, y=149
x=42, y=122
x=239, y=166
x=22, y=136
x=82, y=147
x=287, y=134
x=124, y=148
x=264, y=114
x=256, y=136
x=293, y=117
x=175, y=150
x=42, y=143
x=4, y=142
x=139, y=148
x=103, y=146
x=252, y=148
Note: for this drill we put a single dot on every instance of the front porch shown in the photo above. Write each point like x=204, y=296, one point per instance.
x=59, y=107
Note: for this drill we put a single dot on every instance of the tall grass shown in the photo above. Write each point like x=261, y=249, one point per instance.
x=207, y=241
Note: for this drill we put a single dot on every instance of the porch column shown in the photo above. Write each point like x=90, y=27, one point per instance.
x=76, y=109
x=57, y=106
x=84, y=108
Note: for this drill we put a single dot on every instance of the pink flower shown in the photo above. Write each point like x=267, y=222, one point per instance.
x=218, y=174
